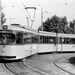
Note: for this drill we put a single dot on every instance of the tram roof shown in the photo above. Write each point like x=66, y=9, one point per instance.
x=44, y=33
x=66, y=35
x=21, y=28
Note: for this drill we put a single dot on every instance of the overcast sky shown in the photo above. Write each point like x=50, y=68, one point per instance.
x=53, y=7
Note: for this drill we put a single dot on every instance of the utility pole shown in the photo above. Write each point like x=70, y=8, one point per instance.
x=42, y=17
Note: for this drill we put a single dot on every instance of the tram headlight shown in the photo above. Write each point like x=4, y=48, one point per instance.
x=3, y=51
x=5, y=27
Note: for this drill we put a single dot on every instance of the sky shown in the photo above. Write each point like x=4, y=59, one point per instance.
x=15, y=12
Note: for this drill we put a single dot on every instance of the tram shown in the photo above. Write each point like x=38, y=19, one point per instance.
x=17, y=42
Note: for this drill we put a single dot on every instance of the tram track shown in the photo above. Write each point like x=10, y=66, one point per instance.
x=35, y=66
x=19, y=68
x=7, y=65
x=56, y=62
x=52, y=65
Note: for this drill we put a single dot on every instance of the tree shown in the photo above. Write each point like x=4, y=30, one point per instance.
x=68, y=30
x=72, y=25
x=3, y=19
x=55, y=24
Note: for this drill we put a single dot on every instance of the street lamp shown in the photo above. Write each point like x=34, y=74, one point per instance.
x=42, y=17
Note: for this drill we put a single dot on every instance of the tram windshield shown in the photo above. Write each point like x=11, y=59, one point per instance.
x=7, y=38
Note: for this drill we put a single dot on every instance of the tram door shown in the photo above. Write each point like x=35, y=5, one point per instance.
x=27, y=41
x=31, y=43
x=57, y=43
x=34, y=44
x=59, y=46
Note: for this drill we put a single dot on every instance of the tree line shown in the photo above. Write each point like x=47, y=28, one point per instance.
x=58, y=25
x=3, y=19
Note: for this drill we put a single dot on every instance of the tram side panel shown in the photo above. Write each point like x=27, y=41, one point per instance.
x=7, y=50
x=46, y=44
x=66, y=44
x=13, y=52
x=43, y=48
x=68, y=47
x=31, y=49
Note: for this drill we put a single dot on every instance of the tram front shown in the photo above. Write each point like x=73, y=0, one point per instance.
x=7, y=39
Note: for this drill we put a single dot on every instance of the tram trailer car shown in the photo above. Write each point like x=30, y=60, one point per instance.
x=15, y=43
x=56, y=42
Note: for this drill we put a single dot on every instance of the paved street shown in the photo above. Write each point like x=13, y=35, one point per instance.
x=45, y=64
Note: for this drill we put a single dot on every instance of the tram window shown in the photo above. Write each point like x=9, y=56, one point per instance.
x=47, y=39
x=30, y=38
x=19, y=38
x=7, y=38
x=52, y=39
x=68, y=40
x=73, y=40
x=35, y=39
x=10, y=39
x=27, y=38
x=41, y=39
x=62, y=40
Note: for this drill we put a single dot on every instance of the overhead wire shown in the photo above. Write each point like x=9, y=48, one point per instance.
x=16, y=6
x=66, y=3
x=70, y=6
x=22, y=3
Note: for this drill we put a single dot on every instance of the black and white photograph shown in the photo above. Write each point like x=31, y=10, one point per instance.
x=37, y=37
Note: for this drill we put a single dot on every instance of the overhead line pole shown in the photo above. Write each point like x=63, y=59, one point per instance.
x=42, y=12
x=42, y=18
